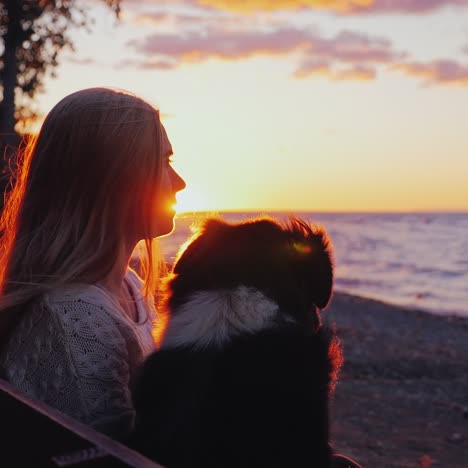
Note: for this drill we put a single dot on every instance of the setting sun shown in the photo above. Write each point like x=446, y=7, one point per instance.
x=190, y=200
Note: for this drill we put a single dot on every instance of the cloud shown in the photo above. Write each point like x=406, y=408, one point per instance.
x=348, y=46
x=157, y=64
x=214, y=43
x=198, y=20
x=436, y=72
x=338, y=6
x=354, y=7
x=360, y=54
x=151, y=17
x=246, y=6
x=162, y=17
x=324, y=68
x=358, y=72
x=80, y=61
x=149, y=64
x=346, y=56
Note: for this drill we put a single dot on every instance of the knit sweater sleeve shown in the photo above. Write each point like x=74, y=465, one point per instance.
x=73, y=355
x=99, y=358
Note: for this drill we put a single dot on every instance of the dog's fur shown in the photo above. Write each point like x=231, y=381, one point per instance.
x=244, y=369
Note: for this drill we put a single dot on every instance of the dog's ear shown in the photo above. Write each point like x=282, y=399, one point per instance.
x=312, y=262
x=323, y=284
x=194, y=254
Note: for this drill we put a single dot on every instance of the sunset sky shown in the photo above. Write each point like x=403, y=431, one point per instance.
x=307, y=105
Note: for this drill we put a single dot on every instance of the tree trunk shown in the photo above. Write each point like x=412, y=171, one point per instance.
x=9, y=138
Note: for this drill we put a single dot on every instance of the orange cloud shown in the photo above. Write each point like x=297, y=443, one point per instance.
x=162, y=17
x=268, y=5
x=152, y=18
x=339, y=6
x=323, y=68
x=357, y=73
x=336, y=6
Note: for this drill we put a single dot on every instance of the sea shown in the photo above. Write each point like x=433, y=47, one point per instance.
x=414, y=260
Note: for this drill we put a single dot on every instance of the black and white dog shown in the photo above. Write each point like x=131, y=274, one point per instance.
x=244, y=368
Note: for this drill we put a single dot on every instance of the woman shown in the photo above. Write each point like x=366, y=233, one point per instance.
x=75, y=321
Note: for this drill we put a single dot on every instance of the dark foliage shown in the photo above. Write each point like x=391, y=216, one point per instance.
x=33, y=33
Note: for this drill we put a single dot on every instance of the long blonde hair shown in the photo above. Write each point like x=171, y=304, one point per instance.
x=89, y=176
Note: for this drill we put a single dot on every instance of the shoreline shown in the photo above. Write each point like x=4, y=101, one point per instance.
x=410, y=308
x=401, y=399
x=401, y=258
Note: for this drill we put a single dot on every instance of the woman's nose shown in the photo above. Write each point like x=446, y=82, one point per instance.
x=178, y=183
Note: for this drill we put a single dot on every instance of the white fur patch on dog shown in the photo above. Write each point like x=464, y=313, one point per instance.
x=213, y=318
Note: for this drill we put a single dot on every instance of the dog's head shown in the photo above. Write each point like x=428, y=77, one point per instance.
x=289, y=263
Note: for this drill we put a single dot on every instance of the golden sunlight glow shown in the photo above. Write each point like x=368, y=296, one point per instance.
x=373, y=125
x=190, y=200
x=159, y=329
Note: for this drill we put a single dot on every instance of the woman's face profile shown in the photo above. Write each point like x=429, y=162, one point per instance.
x=171, y=183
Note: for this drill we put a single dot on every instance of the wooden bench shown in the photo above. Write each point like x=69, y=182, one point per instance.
x=36, y=435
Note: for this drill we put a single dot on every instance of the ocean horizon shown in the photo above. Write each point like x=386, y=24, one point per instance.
x=415, y=260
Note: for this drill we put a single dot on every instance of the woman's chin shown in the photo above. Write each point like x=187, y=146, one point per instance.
x=164, y=227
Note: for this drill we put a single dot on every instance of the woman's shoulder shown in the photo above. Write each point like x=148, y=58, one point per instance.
x=78, y=293
x=84, y=299
x=88, y=293
x=85, y=315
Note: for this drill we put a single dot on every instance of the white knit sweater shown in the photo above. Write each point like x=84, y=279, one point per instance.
x=78, y=351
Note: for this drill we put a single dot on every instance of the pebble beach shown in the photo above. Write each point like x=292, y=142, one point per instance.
x=402, y=395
